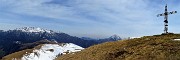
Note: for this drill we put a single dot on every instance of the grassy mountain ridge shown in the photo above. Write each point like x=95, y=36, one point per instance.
x=19, y=54
x=157, y=47
x=27, y=48
x=47, y=51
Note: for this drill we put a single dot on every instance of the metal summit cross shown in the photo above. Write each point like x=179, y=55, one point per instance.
x=165, y=14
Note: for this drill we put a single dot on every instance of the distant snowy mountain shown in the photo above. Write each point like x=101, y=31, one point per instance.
x=12, y=40
x=111, y=38
x=115, y=37
x=34, y=29
x=45, y=52
x=24, y=38
x=88, y=38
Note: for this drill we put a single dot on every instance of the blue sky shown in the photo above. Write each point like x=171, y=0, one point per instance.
x=90, y=18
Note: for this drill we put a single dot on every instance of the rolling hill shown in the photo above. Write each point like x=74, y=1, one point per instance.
x=157, y=47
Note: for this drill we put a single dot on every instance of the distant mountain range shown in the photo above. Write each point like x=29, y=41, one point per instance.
x=13, y=40
x=111, y=38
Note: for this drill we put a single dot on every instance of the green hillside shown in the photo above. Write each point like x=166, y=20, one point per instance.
x=157, y=47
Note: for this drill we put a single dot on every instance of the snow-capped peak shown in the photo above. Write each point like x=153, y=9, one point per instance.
x=33, y=29
x=51, y=51
x=116, y=37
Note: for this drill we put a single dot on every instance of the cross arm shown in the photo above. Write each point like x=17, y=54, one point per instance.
x=160, y=15
x=173, y=12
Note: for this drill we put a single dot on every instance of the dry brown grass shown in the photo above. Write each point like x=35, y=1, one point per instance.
x=158, y=47
x=19, y=55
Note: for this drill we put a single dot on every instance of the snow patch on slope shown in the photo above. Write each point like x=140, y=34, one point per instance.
x=133, y=37
x=177, y=39
x=51, y=51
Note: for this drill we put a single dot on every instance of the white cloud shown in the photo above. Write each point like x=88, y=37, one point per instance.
x=118, y=16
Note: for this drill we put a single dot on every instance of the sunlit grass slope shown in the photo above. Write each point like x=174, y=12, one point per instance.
x=157, y=47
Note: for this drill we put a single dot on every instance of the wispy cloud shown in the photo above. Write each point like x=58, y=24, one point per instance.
x=88, y=17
